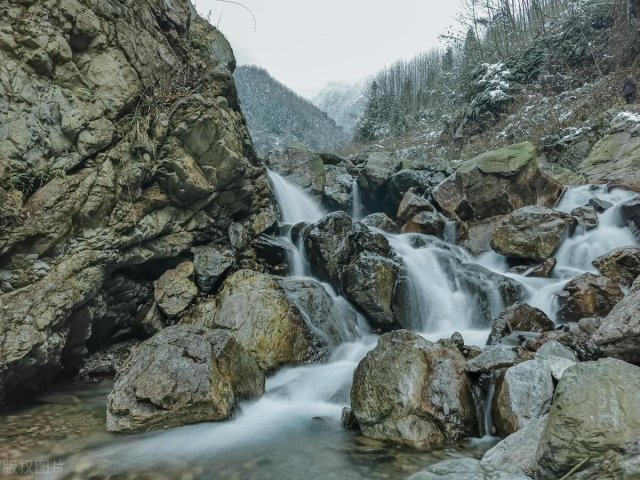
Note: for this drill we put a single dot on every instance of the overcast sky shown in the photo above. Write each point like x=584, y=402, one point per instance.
x=307, y=43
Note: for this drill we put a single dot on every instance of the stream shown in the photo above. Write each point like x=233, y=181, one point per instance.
x=294, y=431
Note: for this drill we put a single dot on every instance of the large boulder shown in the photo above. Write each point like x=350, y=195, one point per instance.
x=615, y=159
x=175, y=290
x=378, y=169
x=522, y=395
x=211, y=267
x=381, y=221
x=279, y=321
x=517, y=452
x=301, y=167
x=357, y=262
x=620, y=264
x=497, y=183
x=630, y=215
x=182, y=375
x=410, y=391
x=338, y=189
x=619, y=333
x=465, y=469
x=532, y=233
x=594, y=413
x=412, y=204
x=588, y=295
x=519, y=317
x=421, y=181
x=427, y=223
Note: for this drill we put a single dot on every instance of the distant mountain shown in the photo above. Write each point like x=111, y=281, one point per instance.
x=278, y=117
x=343, y=103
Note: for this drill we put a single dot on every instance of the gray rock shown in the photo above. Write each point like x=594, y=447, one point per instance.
x=211, y=267
x=382, y=222
x=492, y=359
x=427, y=223
x=411, y=205
x=517, y=452
x=374, y=176
x=532, y=233
x=594, y=412
x=182, y=375
x=338, y=188
x=630, y=215
x=301, y=167
x=523, y=394
x=174, y=290
x=413, y=392
x=519, y=317
x=586, y=216
x=465, y=469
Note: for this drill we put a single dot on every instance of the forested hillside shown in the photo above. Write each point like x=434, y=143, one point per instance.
x=278, y=117
x=510, y=69
x=344, y=103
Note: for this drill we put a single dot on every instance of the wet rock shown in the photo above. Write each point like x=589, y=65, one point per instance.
x=599, y=205
x=301, y=167
x=544, y=270
x=279, y=321
x=557, y=357
x=273, y=251
x=174, y=290
x=532, y=233
x=619, y=333
x=519, y=317
x=586, y=216
x=411, y=205
x=421, y=181
x=413, y=392
x=621, y=264
x=492, y=359
x=575, y=335
x=594, y=412
x=182, y=375
x=382, y=222
x=470, y=193
x=630, y=215
x=349, y=420
x=355, y=261
x=522, y=395
x=338, y=188
x=517, y=452
x=427, y=223
x=211, y=267
x=465, y=469
x=588, y=295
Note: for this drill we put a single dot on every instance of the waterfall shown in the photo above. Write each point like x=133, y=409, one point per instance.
x=295, y=205
x=357, y=211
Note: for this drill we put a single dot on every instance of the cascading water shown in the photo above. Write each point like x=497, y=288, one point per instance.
x=357, y=210
x=297, y=420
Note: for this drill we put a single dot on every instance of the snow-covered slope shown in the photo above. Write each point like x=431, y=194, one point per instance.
x=342, y=102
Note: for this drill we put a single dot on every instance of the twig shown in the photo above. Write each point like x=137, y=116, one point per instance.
x=576, y=468
x=253, y=17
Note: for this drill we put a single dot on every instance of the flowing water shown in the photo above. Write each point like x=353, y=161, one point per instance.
x=294, y=431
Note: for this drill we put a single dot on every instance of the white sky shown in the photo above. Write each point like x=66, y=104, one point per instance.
x=308, y=43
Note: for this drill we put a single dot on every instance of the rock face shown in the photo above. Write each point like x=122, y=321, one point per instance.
x=523, y=395
x=182, y=375
x=588, y=295
x=279, y=321
x=615, y=159
x=357, y=262
x=594, y=412
x=374, y=176
x=413, y=392
x=619, y=334
x=621, y=265
x=519, y=317
x=497, y=183
x=532, y=233
x=301, y=167
x=119, y=162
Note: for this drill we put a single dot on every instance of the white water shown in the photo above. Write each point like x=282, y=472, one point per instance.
x=357, y=210
x=447, y=293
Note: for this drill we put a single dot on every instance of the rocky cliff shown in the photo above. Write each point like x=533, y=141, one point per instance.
x=122, y=147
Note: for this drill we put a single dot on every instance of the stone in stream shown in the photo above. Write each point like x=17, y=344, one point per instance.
x=619, y=332
x=338, y=187
x=544, y=270
x=375, y=174
x=280, y=321
x=182, y=375
x=517, y=452
x=630, y=215
x=523, y=394
x=588, y=295
x=427, y=223
x=586, y=216
x=465, y=469
x=519, y=317
x=411, y=205
x=357, y=262
x=532, y=233
x=594, y=413
x=381, y=221
x=621, y=264
x=413, y=392
x=497, y=183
